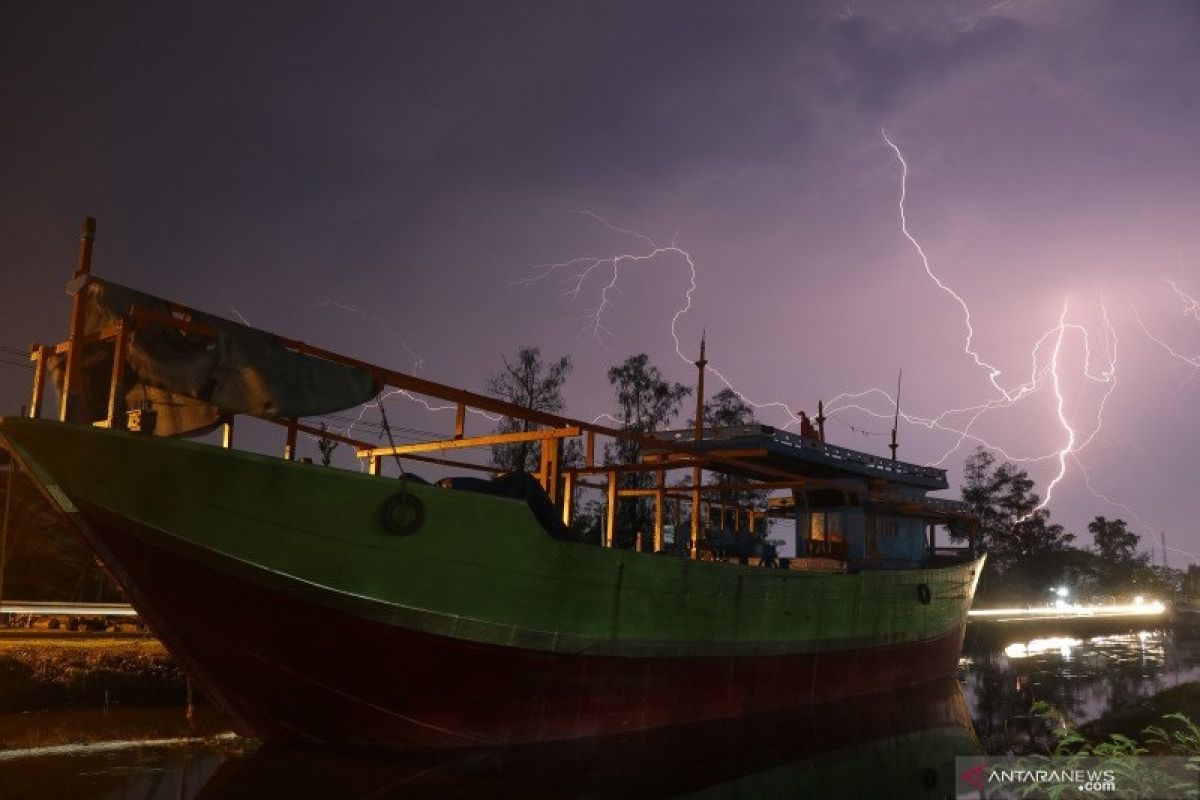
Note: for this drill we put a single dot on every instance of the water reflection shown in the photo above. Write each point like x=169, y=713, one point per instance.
x=891, y=745
x=1085, y=676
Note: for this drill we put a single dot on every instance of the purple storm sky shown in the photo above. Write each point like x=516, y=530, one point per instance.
x=416, y=161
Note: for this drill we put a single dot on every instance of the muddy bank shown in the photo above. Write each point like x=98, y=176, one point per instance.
x=41, y=670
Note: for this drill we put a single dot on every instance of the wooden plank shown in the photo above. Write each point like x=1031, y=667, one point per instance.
x=474, y=441
x=610, y=522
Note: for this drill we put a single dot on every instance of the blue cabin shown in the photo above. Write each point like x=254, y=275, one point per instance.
x=864, y=510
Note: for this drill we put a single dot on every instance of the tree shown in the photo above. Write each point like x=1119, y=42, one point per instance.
x=326, y=446
x=646, y=402
x=530, y=383
x=1012, y=527
x=726, y=409
x=1114, y=541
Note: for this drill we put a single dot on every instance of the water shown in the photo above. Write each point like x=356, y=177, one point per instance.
x=899, y=745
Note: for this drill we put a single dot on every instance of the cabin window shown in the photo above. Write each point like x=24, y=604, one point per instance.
x=828, y=526
x=889, y=527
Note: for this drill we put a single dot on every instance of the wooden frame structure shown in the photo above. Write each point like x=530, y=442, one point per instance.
x=560, y=482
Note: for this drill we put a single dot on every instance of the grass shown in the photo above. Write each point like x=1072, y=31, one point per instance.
x=40, y=670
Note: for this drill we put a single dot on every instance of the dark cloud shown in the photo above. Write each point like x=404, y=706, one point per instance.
x=412, y=159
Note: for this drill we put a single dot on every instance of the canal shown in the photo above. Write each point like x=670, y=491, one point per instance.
x=900, y=745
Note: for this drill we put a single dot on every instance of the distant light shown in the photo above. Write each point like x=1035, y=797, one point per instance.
x=1147, y=608
x=1060, y=603
x=1139, y=600
x=1061, y=591
x=1062, y=644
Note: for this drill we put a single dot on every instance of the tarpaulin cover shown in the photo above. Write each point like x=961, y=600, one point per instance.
x=192, y=381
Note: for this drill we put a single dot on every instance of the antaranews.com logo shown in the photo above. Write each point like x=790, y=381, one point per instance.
x=1061, y=777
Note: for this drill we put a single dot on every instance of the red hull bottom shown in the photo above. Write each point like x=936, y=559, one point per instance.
x=288, y=669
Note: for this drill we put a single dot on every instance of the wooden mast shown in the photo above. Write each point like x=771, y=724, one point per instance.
x=72, y=382
x=693, y=551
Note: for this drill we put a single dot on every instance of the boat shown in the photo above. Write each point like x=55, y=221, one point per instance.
x=323, y=605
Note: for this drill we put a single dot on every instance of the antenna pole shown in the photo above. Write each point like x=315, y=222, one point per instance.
x=697, y=474
x=896, y=421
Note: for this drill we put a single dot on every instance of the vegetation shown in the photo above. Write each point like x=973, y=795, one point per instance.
x=1121, y=757
x=326, y=446
x=39, y=672
x=529, y=382
x=646, y=402
x=1028, y=554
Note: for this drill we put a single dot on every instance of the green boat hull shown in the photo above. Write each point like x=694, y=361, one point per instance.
x=269, y=578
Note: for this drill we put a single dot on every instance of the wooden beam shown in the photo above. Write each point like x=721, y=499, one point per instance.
x=289, y=445
x=105, y=333
x=628, y=468
x=227, y=432
x=660, y=497
x=568, y=506
x=670, y=458
x=460, y=421
x=38, y=354
x=695, y=532
x=116, y=395
x=543, y=434
x=73, y=378
x=358, y=444
x=610, y=522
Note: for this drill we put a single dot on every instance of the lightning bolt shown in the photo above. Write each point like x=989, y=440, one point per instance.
x=1046, y=370
x=611, y=264
x=1191, y=308
x=1008, y=397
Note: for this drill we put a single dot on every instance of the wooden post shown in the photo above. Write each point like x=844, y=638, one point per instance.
x=821, y=420
x=589, y=459
x=227, y=432
x=116, y=393
x=8, y=501
x=460, y=421
x=38, y=353
x=610, y=522
x=289, y=446
x=693, y=552
x=551, y=460
x=74, y=372
x=376, y=465
x=568, y=505
x=659, y=499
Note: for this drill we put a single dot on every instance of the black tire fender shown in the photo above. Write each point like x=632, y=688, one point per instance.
x=402, y=514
